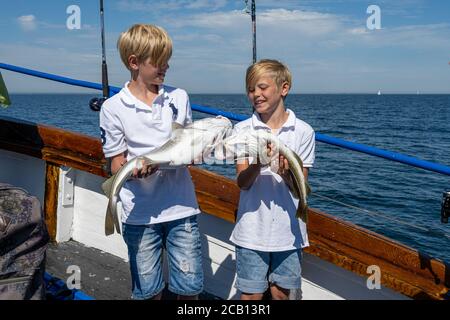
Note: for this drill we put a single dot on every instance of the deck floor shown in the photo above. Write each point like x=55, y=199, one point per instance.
x=103, y=275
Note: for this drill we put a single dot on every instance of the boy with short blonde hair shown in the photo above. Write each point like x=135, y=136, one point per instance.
x=145, y=41
x=135, y=121
x=278, y=71
x=268, y=236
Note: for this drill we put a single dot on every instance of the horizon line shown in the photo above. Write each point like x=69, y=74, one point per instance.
x=242, y=93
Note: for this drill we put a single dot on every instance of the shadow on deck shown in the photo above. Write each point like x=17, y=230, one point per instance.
x=103, y=275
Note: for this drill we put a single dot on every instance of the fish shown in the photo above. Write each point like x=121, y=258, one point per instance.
x=253, y=143
x=187, y=145
x=4, y=96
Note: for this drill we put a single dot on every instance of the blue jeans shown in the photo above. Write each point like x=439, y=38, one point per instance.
x=181, y=238
x=255, y=269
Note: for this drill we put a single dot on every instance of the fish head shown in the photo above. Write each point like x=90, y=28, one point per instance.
x=222, y=128
x=206, y=135
x=211, y=131
x=215, y=125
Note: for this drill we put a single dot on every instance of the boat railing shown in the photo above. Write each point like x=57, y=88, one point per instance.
x=370, y=150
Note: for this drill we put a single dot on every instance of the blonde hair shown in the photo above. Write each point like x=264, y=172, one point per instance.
x=145, y=41
x=278, y=71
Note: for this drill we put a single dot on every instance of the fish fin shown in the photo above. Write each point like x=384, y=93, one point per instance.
x=107, y=185
x=308, y=188
x=302, y=213
x=297, y=192
x=177, y=129
x=294, y=190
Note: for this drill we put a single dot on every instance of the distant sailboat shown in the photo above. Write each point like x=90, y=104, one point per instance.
x=379, y=92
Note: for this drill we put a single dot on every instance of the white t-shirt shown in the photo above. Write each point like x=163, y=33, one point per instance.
x=126, y=123
x=266, y=218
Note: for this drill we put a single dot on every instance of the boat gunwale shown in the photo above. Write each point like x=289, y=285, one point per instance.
x=342, y=243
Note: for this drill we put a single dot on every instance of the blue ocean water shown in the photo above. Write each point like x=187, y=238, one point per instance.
x=395, y=200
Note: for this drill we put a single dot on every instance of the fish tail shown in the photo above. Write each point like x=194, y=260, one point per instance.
x=109, y=221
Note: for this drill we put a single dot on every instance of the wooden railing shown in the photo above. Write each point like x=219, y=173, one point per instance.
x=405, y=270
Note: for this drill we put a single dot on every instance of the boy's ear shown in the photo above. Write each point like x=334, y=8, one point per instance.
x=285, y=88
x=133, y=62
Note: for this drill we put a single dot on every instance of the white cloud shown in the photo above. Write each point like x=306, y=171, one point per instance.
x=27, y=22
x=284, y=23
x=200, y=4
x=417, y=37
x=299, y=29
x=326, y=52
x=158, y=6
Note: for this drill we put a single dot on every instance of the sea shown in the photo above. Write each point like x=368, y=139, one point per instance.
x=396, y=200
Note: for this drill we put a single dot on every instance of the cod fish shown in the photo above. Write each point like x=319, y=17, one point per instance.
x=253, y=143
x=187, y=145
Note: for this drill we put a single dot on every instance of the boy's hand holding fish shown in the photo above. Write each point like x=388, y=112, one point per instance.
x=145, y=171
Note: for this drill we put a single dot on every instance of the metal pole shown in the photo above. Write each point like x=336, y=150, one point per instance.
x=104, y=66
x=96, y=103
x=253, y=13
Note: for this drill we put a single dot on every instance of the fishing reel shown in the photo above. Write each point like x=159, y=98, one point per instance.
x=445, y=207
x=96, y=103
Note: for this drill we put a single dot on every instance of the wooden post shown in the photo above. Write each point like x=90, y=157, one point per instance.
x=51, y=197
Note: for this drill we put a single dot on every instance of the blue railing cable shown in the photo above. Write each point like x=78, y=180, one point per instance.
x=48, y=76
x=390, y=155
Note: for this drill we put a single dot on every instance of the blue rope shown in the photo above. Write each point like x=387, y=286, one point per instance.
x=390, y=155
x=58, y=290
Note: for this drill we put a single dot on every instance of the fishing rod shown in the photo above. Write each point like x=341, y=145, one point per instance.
x=254, y=29
x=252, y=13
x=96, y=103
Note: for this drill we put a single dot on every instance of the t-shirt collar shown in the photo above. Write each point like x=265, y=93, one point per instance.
x=288, y=125
x=130, y=100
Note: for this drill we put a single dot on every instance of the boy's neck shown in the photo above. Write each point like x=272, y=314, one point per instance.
x=276, y=119
x=142, y=91
x=143, y=88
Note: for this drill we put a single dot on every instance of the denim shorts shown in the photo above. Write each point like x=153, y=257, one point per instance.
x=255, y=269
x=181, y=238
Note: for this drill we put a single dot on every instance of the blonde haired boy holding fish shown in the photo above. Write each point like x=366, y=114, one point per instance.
x=159, y=206
x=268, y=235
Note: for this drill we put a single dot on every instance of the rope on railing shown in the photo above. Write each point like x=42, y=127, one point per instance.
x=430, y=230
x=386, y=154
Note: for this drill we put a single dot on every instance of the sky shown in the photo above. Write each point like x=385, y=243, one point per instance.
x=327, y=44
